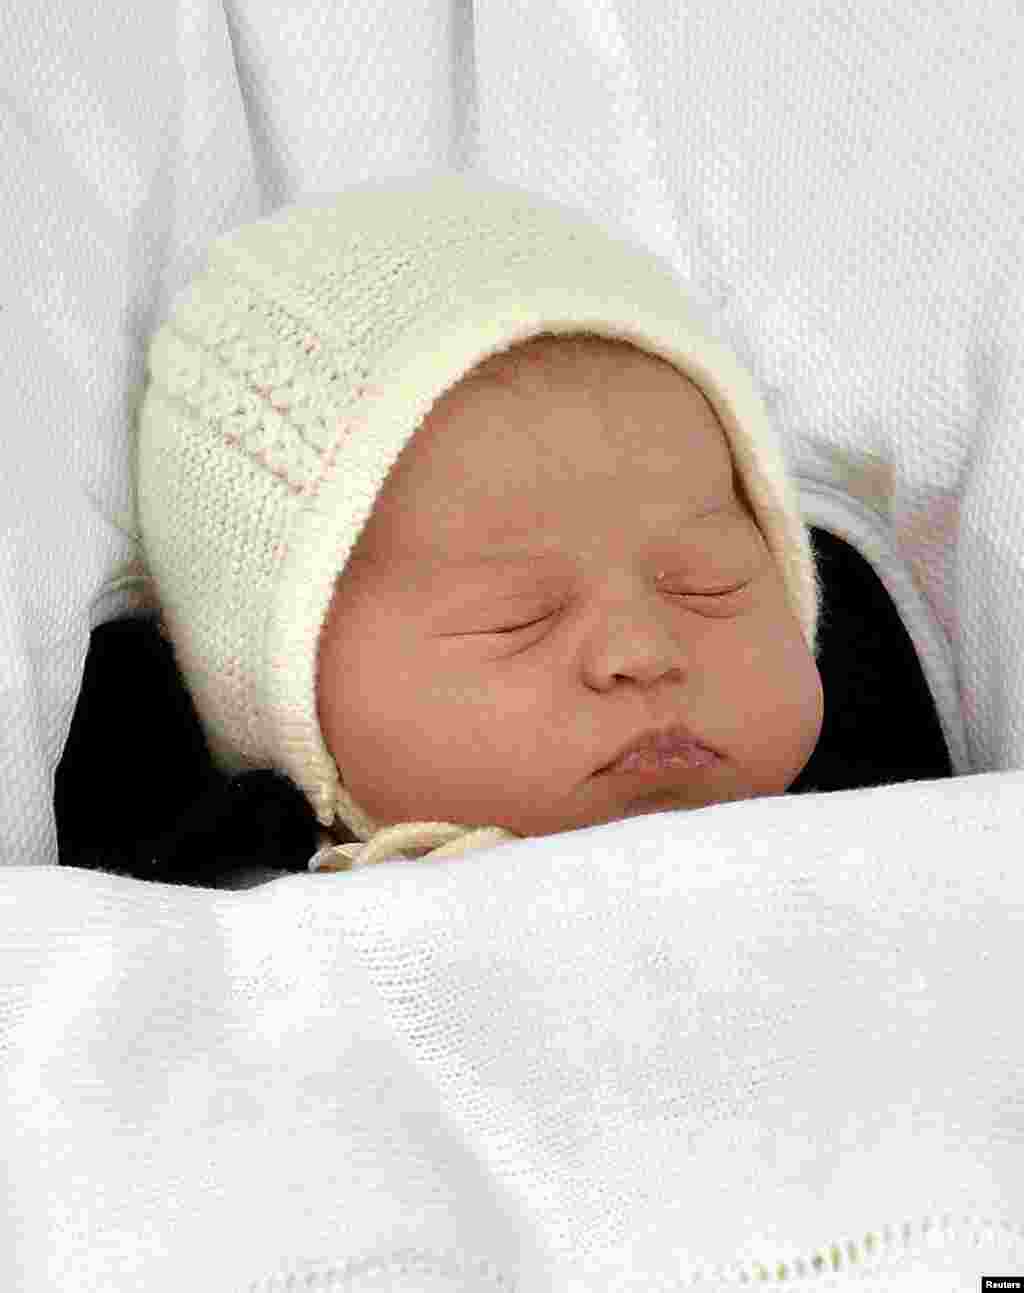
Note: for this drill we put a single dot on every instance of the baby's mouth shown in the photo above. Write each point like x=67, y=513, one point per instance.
x=661, y=751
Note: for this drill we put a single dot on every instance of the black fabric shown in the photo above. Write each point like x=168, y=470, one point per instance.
x=136, y=792
x=880, y=725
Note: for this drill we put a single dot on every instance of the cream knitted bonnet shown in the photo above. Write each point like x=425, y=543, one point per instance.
x=286, y=382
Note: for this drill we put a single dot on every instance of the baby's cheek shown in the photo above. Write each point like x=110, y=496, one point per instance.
x=799, y=723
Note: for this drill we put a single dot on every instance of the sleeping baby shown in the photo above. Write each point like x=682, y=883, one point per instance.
x=562, y=565
x=459, y=518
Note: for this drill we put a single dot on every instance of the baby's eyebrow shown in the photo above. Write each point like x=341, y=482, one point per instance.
x=525, y=556
x=516, y=557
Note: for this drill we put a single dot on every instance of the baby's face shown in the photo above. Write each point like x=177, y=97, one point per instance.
x=498, y=634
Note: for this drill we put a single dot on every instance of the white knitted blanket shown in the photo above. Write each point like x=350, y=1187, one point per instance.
x=770, y=1041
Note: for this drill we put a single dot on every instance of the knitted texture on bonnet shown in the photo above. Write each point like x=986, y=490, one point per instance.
x=287, y=380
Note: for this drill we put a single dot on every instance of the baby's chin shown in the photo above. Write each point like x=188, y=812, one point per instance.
x=643, y=805
x=658, y=803
x=670, y=800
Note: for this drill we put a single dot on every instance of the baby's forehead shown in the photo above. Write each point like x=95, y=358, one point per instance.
x=495, y=444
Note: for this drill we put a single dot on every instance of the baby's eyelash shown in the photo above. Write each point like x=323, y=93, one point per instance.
x=516, y=628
